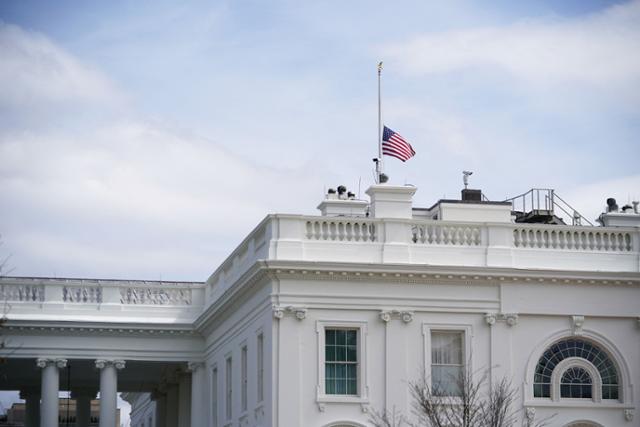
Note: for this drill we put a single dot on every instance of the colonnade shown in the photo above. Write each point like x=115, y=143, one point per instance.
x=179, y=400
x=42, y=406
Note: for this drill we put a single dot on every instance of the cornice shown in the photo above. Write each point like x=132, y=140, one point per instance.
x=428, y=274
x=79, y=329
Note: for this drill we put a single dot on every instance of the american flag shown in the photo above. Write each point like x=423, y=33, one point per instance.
x=395, y=145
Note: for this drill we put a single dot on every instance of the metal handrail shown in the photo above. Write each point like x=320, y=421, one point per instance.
x=550, y=200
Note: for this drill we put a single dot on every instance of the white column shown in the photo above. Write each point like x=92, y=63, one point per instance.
x=50, y=388
x=83, y=406
x=198, y=373
x=184, y=399
x=32, y=407
x=161, y=408
x=109, y=390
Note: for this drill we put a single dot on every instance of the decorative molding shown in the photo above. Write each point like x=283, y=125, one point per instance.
x=511, y=319
x=490, y=318
x=94, y=330
x=43, y=362
x=576, y=324
x=364, y=407
x=628, y=414
x=448, y=277
x=530, y=414
x=117, y=363
x=404, y=315
x=279, y=312
x=322, y=406
x=193, y=366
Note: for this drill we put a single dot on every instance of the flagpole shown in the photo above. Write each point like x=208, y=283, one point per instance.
x=379, y=164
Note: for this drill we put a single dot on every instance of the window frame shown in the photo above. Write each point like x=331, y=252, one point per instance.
x=244, y=378
x=228, y=387
x=260, y=366
x=467, y=337
x=362, y=395
x=215, y=395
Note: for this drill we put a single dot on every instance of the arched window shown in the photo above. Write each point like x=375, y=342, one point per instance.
x=575, y=380
x=576, y=383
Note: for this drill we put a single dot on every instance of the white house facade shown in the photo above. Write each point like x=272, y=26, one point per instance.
x=319, y=320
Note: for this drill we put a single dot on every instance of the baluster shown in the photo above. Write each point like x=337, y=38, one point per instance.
x=308, y=229
x=349, y=231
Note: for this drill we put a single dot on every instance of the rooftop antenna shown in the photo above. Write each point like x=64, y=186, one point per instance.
x=465, y=178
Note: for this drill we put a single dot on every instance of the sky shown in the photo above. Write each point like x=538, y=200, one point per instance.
x=145, y=139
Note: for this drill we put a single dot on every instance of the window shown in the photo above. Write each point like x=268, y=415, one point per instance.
x=447, y=362
x=228, y=388
x=243, y=378
x=569, y=361
x=576, y=383
x=260, y=356
x=214, y=396
x=341, y=361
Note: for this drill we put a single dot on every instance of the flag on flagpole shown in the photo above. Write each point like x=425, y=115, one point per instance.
x=395, y=145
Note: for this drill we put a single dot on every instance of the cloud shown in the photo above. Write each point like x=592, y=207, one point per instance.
x=599, y=49
x=124, y=196
x=35, y=71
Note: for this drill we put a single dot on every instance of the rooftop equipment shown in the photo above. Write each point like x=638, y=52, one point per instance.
x=544, y=206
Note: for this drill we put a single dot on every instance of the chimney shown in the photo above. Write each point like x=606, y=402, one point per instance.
x=391, y=201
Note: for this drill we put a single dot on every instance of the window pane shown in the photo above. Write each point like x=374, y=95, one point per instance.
x=446, y=348
x=341, y=357
x=330, y=336
x=330, y=353
x=447, y=365
x=352, y=354
x=446, y=380
x=352, y=338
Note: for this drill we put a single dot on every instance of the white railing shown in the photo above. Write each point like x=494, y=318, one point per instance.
x=82, y=294
x=155, y=296
x=21, y=293
x=438, y=234
x=341, y=229
x=582, y=239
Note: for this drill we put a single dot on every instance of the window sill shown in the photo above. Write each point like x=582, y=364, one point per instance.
x=323, y=400
x=575, y=403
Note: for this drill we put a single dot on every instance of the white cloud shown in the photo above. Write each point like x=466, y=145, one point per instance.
x=600, y=49
x=34, y=70
x=122, y=196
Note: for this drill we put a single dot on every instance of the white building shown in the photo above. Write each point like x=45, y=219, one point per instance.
x=317, y=320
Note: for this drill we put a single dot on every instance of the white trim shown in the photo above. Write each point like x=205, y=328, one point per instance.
x=465, y=328
x=625, y=395
x=363, y=384
x=579, y=362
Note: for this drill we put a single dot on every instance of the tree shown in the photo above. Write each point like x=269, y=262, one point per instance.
x=477, y=404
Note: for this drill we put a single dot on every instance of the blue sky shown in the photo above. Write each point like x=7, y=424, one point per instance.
x=145, y=139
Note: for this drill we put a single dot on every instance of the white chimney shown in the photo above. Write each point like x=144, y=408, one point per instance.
x=391, y=201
